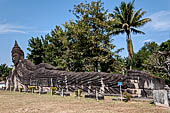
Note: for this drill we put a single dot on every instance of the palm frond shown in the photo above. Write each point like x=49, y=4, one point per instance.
x=125, y=15
x=117, y=25
x=117, y=10
x=130, y=5
x=142, y=22
x=130, y=11
x=129, y=16
x=123, y=6
x=120, y=18
x=118, y=31
x=135, y=31
x=139, y=16
x=134, y=16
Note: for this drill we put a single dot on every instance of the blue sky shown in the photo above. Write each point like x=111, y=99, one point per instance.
x=22, y=19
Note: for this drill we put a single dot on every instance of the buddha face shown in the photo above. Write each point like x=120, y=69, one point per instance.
x=15, y=58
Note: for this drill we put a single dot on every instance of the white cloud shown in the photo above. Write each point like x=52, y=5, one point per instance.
x=9, y=28
x=160, y=21
x=39, y=31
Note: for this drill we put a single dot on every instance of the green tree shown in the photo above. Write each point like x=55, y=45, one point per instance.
x=56, y=48
x=76, y=43
x=83, y=45
x=92, y=35
x=48, y=49
x=126, y=20
x=4, y=71
x=158, y=63
x=143, y=54
x=165, y=46
x=36, y=50
x=120, y=65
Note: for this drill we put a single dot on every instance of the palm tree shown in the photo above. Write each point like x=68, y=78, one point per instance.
x=126, y=21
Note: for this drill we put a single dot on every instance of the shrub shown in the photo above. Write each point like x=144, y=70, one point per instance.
x=127, y=96
x=76, y=92
x=53, y=89
x=32, y=88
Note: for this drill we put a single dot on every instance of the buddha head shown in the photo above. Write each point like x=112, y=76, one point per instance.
x=17, y=54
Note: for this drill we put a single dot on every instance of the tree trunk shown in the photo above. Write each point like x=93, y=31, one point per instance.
x=130, y=50
x=96, y=67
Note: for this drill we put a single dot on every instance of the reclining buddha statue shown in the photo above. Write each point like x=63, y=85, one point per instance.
x=25, y=73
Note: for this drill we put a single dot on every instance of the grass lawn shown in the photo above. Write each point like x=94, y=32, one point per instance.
x=15, y=102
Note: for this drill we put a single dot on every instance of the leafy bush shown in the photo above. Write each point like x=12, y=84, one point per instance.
x=76, y=92
x=53, y=89
x=127, y=96
x=32, y=88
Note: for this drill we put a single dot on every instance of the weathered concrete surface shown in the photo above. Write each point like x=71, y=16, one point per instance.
x=161, y=98
x=142, y=83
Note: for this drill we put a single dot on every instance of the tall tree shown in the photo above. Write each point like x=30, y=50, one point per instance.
x=94, y=40
x=56, y=47
x=84, y=44
x=48, y=49
x=76, y=44
x=126, y=20
x=158, y=63
x=36, y=50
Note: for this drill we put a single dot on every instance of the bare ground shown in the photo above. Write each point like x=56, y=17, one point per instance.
x=15, y=102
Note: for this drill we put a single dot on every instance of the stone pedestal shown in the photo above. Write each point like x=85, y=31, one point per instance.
x=100, y=97
x=161, y=98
